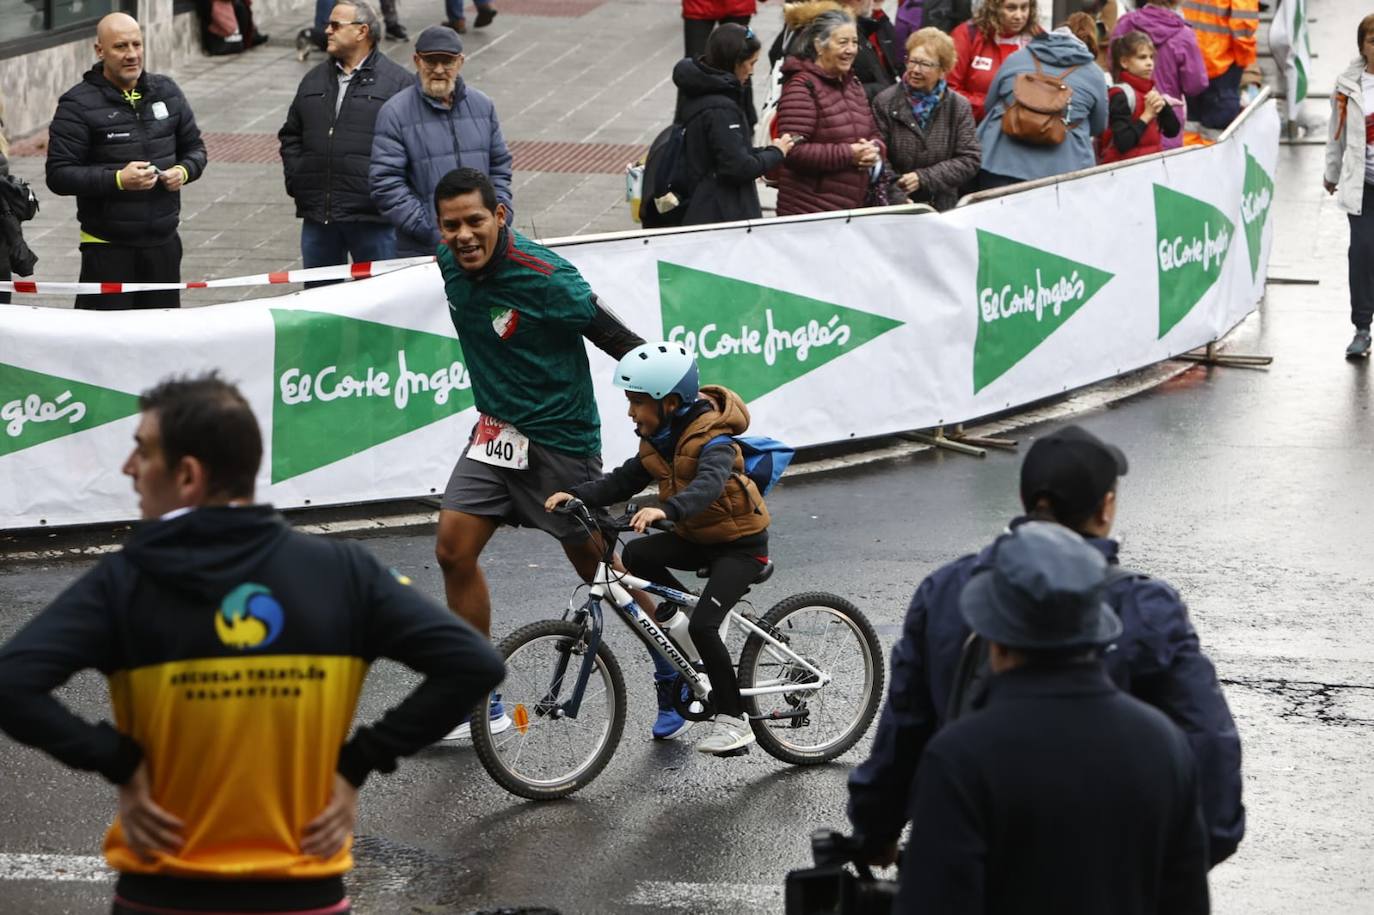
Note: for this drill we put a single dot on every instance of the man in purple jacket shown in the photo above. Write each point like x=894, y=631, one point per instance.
x=1179, y=68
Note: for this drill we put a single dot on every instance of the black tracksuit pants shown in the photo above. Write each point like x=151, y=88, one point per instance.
x=733, y=567
x=115, y=263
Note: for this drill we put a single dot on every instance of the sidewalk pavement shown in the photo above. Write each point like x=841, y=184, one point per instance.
x=581, y=88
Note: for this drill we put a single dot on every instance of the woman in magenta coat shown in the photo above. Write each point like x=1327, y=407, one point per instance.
x=837, y=155
x=699, y=17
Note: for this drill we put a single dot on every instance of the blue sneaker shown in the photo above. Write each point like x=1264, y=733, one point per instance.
x=669, y=723
x=500, y=721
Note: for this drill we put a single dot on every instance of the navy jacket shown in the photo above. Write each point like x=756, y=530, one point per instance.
x=96, y=132
x=1157, y=659
x=417, y=142
x=1061, y=796
x=325, y=158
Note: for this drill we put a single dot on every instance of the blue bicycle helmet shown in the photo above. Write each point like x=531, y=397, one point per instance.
x=659, y=369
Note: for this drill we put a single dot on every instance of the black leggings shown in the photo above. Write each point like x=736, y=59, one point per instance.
x=733, y=567
x=1362, y=263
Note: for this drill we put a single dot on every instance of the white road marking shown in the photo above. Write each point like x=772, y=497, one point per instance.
x=706, y=897
x=55, y=868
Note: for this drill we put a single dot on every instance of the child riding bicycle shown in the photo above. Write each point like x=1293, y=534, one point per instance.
x=721, y=522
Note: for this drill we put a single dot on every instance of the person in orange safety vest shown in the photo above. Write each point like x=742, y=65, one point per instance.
x=1226, y=31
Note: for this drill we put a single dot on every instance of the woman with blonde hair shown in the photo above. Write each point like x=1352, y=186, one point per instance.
x=997, y=30
x=932, y=140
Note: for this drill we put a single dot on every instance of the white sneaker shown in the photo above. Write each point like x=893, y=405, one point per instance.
x=500, y=721
x=728, y=734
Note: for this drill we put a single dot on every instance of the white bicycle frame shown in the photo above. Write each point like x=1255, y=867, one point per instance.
x=613, y=587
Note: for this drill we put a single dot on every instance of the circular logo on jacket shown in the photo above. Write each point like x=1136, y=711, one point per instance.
x=249, y=617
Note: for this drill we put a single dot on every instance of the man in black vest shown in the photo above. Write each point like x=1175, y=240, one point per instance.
x=124, y=143
x=326, y=142
x=1062, y=794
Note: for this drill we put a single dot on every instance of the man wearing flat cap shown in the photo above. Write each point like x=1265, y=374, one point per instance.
x=1068, y=477
x=1062, y=794
x=437, y=125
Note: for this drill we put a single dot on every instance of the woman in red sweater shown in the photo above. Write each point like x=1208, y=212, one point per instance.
x=699, y=17
x=998, y=30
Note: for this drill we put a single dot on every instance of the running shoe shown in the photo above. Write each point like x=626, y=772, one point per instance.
x=729, y=735
x=1359, y=346
x=500, y=721
x=669, y=723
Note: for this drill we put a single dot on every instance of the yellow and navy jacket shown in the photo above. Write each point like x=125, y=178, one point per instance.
x=235, y=650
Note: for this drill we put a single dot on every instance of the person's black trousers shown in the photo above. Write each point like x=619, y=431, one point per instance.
x=111, y=263
x=733, y=567
x=696, y=31
x=1362, y=263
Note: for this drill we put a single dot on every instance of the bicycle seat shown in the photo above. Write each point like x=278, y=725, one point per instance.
x=764, y=573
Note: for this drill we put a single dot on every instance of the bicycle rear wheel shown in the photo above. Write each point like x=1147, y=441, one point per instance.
x=544, y=754
x=814, y=725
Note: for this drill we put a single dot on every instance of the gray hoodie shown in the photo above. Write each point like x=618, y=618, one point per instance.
x=1057, y=52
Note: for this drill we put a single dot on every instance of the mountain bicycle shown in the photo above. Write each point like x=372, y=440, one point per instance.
x=810, y=673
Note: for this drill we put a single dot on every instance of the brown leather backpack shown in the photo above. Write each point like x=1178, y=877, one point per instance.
x=1039, y=109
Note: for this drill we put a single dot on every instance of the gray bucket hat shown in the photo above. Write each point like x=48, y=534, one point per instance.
x=1043, y=591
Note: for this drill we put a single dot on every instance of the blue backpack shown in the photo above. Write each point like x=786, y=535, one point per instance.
x=765, y=459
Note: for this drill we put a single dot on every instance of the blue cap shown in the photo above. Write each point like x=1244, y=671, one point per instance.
x=438, y=39
x=1043, y=590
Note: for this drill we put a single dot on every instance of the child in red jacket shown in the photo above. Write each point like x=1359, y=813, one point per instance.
x=1138, y=116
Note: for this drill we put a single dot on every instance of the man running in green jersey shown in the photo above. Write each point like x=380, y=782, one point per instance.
x=521, y=313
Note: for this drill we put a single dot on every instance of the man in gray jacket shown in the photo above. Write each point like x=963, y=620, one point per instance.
x=426, y=131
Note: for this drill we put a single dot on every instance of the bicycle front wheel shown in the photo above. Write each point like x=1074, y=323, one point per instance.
x=542, y=753
x=813, y=724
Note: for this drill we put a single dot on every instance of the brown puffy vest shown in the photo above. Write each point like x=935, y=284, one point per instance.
x=739, y=511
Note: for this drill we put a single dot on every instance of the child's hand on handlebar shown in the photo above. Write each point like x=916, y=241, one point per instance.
x=556, y=500
x=645, y=517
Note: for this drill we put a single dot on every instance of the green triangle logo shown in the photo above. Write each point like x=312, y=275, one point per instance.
x=1257, y=196
x=754, y=339
x=1024, y=295
x=37, y=408
x=344, y=385
x=1194, y=238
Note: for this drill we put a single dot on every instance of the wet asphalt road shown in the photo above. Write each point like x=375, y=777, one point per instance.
x=1248, y=490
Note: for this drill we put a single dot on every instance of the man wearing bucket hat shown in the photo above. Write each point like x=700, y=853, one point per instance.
x=1070, y=477
x=1063, y=793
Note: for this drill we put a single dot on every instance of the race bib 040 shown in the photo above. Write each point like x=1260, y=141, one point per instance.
x=499, y=444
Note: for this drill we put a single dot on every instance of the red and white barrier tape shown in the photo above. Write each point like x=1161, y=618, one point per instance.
x=358, y=271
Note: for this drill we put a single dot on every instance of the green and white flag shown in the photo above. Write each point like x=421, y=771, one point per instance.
x=1292, y=49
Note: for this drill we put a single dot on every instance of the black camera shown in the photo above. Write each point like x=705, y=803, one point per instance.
x=841, y=883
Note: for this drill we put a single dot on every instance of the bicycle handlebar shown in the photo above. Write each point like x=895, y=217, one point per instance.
x=619, y=525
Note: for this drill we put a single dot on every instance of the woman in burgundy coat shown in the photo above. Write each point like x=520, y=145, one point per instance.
x=837, y=153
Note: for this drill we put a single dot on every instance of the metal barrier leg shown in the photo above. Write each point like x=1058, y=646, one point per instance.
x=960, y=441
x=1209, y=356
